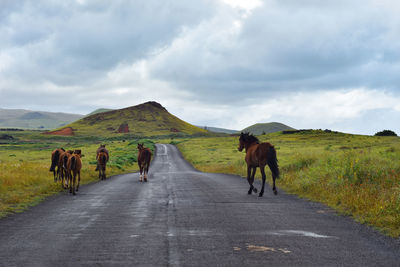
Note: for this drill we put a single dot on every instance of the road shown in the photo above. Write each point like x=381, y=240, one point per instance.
x=183, y=217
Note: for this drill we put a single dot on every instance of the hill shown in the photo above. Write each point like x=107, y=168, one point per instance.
x=218, y=130
x=99, y=110
x=28, y=119
x=270, y=127
x=148, y=119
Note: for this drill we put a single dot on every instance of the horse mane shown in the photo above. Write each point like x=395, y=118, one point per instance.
x=249, y=138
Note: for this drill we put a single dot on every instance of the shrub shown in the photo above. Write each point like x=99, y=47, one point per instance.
x=386, y=133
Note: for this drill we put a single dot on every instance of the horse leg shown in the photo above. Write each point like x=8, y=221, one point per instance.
x=274, y=188
x=146, y=171
x=263, y=181
x=62, y=178
x=66, y=179
x=141, y=171
x=73, y=184
x=70, y=181
x=79, y=180
x=252, y=179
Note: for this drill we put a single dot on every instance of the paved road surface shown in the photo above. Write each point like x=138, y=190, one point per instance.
x=182, y=217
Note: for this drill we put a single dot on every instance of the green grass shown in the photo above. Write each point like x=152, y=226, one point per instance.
x=356, y=175
x=25, y=179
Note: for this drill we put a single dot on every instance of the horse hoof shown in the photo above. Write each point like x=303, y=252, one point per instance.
x=255, y=190
x=74, y=193
x=275, y=192
x=261, y=194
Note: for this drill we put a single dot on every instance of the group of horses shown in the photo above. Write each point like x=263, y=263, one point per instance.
x=66, y=165
x=258, y=154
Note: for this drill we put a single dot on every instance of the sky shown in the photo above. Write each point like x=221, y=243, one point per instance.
x=224, y=63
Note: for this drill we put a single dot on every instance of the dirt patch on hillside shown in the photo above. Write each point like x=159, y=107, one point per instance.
x=66, y=131
x=123, y=128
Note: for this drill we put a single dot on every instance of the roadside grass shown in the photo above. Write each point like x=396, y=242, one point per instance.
x=25, y=179
x=355, y=175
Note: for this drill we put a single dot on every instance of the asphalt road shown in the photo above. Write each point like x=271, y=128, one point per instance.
x=183, y=217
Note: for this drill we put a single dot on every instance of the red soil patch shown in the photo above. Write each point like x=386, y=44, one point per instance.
x=123, y=128
x=174, y=130
x=66, y=131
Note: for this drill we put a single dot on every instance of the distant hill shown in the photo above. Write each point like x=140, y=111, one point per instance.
x=270, y=127
x=218, y=130
x=99, y=110
x=28, y=119
x=148, y=119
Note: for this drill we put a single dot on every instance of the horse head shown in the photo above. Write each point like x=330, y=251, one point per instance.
x=241, y=142
x=140, y=146
x=246, y=140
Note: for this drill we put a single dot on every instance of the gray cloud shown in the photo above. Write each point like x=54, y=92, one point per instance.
x=207, y=56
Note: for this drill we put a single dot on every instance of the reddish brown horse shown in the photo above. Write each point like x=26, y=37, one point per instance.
x=62, y=166
x=102, y=159
x=74, y=165
x=144, y=158
x=55, y=156
x=258, y=155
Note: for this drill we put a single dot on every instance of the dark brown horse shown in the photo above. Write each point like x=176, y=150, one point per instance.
x=258, y=155
x=102, y=159
x=55, y=156
x=62, y=166
x=102, y=148
x=74, y=165
x=144, y=158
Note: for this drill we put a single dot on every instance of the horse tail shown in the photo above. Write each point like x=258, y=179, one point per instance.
x=65, y=160
x=73, y=163
x=54, y=160
x=103, y=159
x=272, y=161
x=147, y=155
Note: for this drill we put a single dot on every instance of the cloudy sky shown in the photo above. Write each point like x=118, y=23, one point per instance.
x=225, y=63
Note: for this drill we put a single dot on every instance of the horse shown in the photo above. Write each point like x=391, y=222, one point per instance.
x=55, y=155
x=258, y=155
x=62, y=165
x=74, y=165
x=102, y=148
x=144, y=158
x=102, y=158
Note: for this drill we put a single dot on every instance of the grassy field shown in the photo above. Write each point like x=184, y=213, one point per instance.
x=356, y=175
x=25, y=179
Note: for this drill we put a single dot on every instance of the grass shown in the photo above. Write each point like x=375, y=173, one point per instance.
x=25, y=179
x=356, y=175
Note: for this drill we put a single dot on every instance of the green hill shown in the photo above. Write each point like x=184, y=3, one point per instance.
x=148, y=119
x=264, y=128
x=28, y=119
x=218, y=130
x=99, y=110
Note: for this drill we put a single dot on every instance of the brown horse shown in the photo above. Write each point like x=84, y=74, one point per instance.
x=74, y=165
x=258, y=155
x=102, y=159
x=55, y=156
x=62, y=165
x=144, y=158
x=102, y=148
